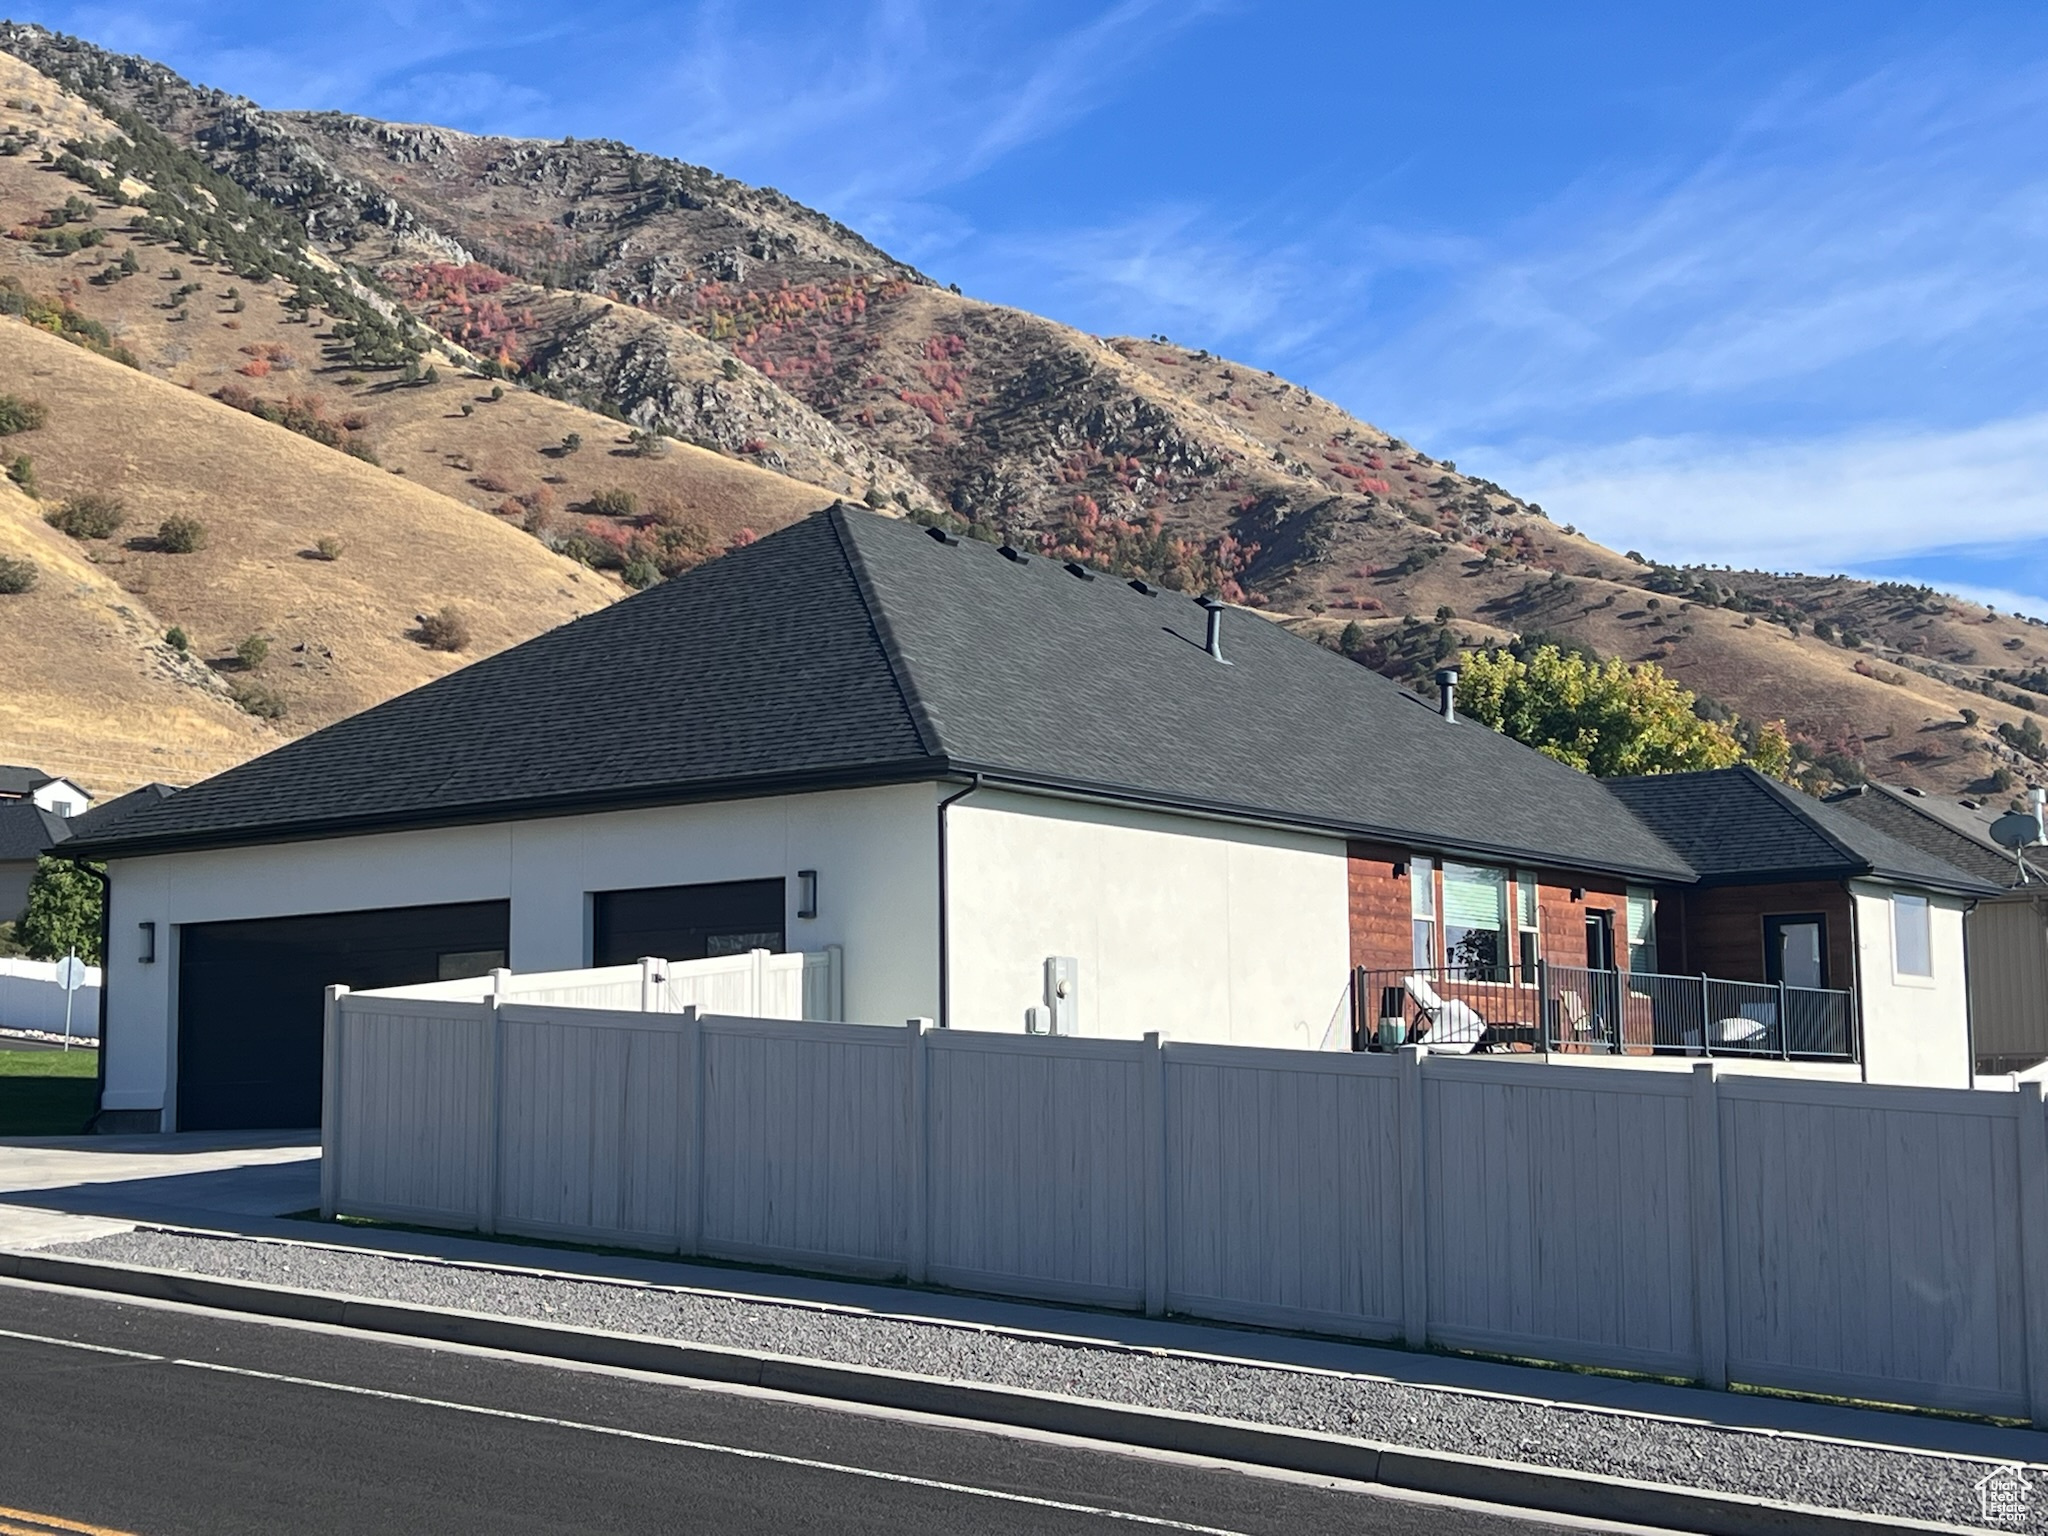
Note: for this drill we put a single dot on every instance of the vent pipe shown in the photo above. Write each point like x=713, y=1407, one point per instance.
x=1447, y=692
x=1214, y=643
x=2037, y=802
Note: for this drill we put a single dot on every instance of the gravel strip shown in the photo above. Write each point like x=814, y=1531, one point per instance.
x=1902, y=1483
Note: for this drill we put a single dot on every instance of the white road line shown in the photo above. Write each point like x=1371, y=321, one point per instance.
x=97, y=1349
x=712, y=1447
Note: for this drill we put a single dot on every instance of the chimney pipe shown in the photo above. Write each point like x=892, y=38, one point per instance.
x=2037, y=802
x=1214, y=644
x=1447, y=692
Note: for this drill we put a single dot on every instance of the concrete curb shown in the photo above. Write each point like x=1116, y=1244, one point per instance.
x=1535, y=1488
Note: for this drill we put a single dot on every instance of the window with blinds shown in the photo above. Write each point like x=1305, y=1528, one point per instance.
x=1530, y=947
x=1422, y=912
x=1475, y=919
x=1642, y=931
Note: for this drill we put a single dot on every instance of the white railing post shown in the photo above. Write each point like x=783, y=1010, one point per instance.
x=1414, y=1202
x=917, y=1164
x=494, y=1095
x=1709, y=1234
x=759, y=1007
x=330, y=1103
x=2032, y=1124
x=690, y=1181
x=1155, y=1174
x=501, y=983
x=651, y=981
x=835, y=1008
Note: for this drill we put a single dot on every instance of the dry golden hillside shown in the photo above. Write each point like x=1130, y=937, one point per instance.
x=340, y=631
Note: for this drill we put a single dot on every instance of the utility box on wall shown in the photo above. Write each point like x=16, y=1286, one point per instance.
x=1062, y=993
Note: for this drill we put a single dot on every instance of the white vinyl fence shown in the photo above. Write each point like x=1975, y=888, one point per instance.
x=30, y=998
x=1885, y=1243
x=757, y=984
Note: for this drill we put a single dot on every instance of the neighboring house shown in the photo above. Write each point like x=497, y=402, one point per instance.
x=58, y=796
x=2008, y=932
x=27, y=832
x=1792, y=890
x=975, y=771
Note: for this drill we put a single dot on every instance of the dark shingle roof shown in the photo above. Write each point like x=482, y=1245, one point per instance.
x=16, y=779
x=1954, y=830
x=27, y=830
x=1735, y=826
x=854, y=648
x=104, y=818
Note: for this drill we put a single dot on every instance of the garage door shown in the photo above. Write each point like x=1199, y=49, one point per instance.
x=249, y=999
x=686, y=922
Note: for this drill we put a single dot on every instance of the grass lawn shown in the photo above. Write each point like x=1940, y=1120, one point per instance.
x=46, y=1093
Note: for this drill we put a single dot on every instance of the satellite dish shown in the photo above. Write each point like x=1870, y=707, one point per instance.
x=2016, y=829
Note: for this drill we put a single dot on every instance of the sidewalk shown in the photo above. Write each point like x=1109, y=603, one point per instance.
x=83, y=1193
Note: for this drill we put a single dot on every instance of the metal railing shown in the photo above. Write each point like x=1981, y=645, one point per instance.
x=1567, y=1009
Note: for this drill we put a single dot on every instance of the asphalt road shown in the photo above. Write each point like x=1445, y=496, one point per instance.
x=117, y=1417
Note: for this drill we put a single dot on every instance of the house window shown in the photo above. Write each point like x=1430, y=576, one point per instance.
x=1642, y=931
x=1422, y=911
x=1476, y=919
x=1912, y=939
x=1525, y=921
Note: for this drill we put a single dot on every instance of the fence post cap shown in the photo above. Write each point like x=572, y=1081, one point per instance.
x=918, y=1025
x=1706, y=1068
x=1155, y=1038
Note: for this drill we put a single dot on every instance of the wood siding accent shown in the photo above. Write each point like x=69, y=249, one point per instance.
x=1381, y=912
x=1720, y=929
x=1381, y=915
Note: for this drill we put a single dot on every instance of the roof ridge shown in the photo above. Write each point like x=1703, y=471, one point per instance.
x=899, y=667
x=1790, y=800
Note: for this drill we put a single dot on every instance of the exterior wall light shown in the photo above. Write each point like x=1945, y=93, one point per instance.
x=147, y=954
x=807, y=893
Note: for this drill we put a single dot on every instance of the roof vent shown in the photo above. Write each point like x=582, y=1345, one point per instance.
x=942, y=536
x=1917, y=794
x=1080, y=570
x=1143, y=588
x=1447, y=692
x=1014, y=555
x=1214, y=642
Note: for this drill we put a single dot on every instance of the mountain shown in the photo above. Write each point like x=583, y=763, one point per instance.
x=734, y=359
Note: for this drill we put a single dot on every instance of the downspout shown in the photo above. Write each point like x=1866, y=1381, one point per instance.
x=1856, y=982
x=99, y=1092
x=1969, y=1000
x=945, y=922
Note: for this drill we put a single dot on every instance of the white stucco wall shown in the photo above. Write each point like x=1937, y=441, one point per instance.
x=1915, y=1028
x=1203, y=930
x=876, y=853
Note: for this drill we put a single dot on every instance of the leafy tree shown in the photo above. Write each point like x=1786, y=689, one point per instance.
x=1607, y=718
x=63, y=913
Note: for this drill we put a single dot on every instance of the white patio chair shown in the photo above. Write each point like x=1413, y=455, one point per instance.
x=1448, y=1025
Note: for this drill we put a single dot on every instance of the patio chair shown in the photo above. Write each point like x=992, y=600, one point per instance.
x=1447, y=1024
x=1749, y=1028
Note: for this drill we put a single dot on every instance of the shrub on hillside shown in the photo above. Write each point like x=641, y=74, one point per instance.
x=615, y=501
x=20, y=415
x=16, y=576
x=444, y=631
x=180, y=535
x=177, y=639
x=257, y=698
x=252, y=652
x=89, y=516
x=327, y=549
x=23, y=473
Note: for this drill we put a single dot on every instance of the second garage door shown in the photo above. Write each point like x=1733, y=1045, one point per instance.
x=250, y=994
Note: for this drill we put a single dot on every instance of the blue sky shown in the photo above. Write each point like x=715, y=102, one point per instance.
x=1743, y=283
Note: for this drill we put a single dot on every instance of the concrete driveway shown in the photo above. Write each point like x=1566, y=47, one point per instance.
x=56, y=1189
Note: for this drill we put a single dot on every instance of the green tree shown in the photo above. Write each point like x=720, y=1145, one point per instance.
x=1605, y=717
x=63, y=913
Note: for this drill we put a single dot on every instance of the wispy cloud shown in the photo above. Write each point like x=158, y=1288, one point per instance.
x=1849, y=500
